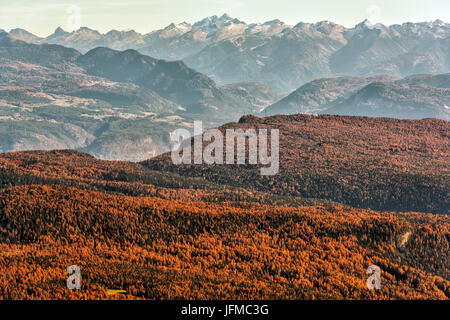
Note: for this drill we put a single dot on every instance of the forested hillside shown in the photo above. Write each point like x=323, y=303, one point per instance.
x=165, y=249
x=377, y=163
x=159, y=231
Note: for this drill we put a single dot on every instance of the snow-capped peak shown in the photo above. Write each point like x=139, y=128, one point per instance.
x=366, y=24
x=214, y=20
x=174, y=30
x=439, y=23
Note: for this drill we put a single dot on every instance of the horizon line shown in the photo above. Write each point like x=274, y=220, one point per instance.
x=227, y=15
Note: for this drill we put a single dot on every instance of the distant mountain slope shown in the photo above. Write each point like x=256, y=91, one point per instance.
x=414, y=97
x=177, y=41
x=15, y=48
x=281, y=60
x=172, y=80
x=280, y=56
x=383, y=164
x=58, y=106
x=397, y=50
x=379, y=99
x=438, y=81
x=317, y=95
x=24, y=34
x=254, y=93
x=112, y=104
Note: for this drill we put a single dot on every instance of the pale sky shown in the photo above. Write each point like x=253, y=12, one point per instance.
x=42, y=17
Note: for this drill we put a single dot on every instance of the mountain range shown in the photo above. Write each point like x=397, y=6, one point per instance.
x=113, y=104
x=123, y=104
x=280, y=56
x=413, y=97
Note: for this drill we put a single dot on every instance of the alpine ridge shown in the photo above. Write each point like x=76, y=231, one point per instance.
x=276, y=54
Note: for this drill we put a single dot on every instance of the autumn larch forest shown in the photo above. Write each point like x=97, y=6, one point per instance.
x=351, y=192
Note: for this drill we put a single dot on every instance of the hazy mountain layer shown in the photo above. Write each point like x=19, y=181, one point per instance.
x=414, y=97
x=115, y=105
x=276, y=54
